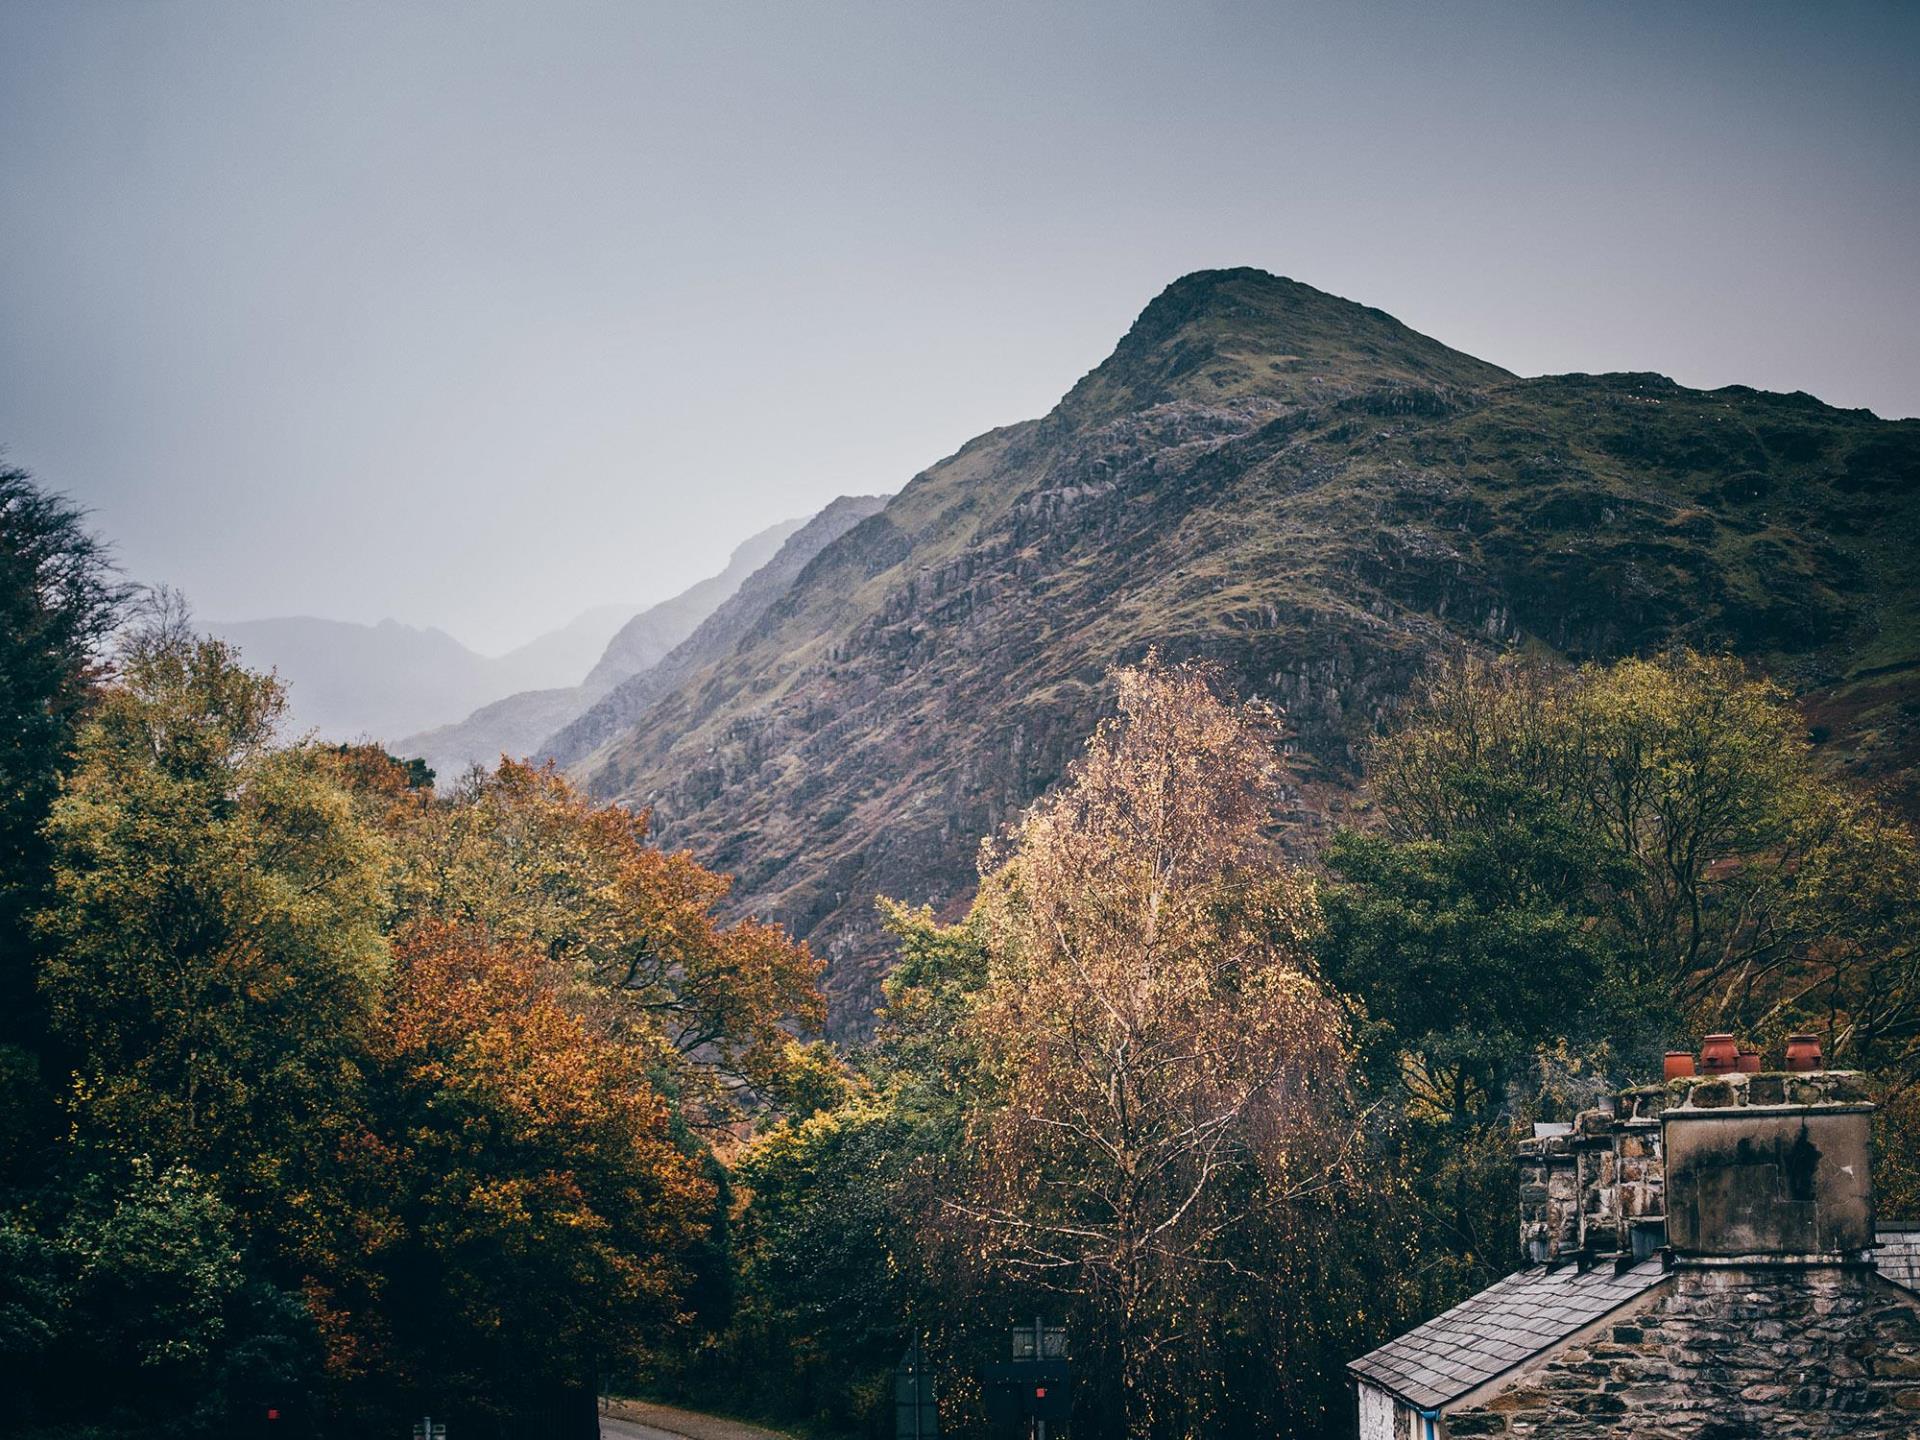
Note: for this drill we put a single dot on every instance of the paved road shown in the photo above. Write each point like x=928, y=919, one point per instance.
x=641, y=1420
x=612, y=1429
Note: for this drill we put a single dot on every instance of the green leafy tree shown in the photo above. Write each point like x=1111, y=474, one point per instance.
x=1603, y=862
x=1464, y=929
x=152, y=1318
x=1672, y=809
x=829, y=1268
x=214, y=955
x=58, y=601
x=838, y=1238
x=215, y=946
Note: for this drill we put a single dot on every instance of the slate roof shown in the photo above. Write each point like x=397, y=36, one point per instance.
x=1898, y=1255
x=1507, y=1323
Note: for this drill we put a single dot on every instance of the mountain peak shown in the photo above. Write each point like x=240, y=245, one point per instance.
x=1245, y=289
x=1241, y=333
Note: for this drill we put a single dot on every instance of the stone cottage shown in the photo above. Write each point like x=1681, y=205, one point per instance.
x=1707, y=1266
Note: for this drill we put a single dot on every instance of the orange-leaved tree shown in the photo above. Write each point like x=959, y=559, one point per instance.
x=542, y=1206
x=522, y=855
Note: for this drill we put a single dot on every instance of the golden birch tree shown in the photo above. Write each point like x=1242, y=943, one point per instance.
x=1165, y=1068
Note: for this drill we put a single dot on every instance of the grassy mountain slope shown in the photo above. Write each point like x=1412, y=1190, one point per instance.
x=1317, y=497
x=621, y=708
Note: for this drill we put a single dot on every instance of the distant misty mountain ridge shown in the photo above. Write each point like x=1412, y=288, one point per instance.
x=419, y=691
x=519, y=724
x=350, y=681
x=567, y=651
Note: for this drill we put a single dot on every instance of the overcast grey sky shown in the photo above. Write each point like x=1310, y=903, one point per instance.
x=479, y=314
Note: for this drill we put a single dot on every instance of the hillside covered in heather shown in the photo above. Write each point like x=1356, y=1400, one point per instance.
x=1312, y=494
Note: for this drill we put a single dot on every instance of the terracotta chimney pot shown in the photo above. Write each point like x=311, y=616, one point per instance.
x=1719, y=1055
x=1679, y=1064
x=1803, y=1053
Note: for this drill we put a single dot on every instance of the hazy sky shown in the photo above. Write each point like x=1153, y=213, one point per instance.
x=476, y=315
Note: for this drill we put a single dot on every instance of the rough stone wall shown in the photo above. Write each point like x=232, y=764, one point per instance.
x=1640, y=1170
x=1784, y=1354
x=1583, y=1191
x=1550, y=1193
x=1531, y=1163
x=1597, y=1177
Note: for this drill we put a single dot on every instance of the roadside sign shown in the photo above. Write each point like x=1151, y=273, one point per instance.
x=1039, y=1342
x=1033, y=1390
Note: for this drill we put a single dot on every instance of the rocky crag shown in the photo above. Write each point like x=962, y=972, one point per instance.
x=1315, y=496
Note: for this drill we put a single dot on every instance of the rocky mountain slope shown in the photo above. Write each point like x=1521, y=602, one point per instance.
x=616, y=713
x=650, y=636
x=516, y=723
x=1315, y=496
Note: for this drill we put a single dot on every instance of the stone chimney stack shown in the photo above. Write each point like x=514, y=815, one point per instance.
x=1769, y=1169
x=1549, y=1193
x=1595, y=1187
x=1640, y=1172
x=1726, y=1169
x=1595, y=1177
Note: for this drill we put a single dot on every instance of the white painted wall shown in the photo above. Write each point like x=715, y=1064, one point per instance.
x=1382, y=1417
x=1376, y=1413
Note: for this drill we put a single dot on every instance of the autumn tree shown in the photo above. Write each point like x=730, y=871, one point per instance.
x=549, y=919
x=372, y=1095
x=523, y=856
x=539, y=1207
x=1164, y=1070
x=1112, y=1091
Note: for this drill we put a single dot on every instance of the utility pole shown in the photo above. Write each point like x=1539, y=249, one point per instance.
x=913, y=1393
x=1039, y=1353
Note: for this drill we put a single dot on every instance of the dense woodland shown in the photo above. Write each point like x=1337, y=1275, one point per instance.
x=335, y=1091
